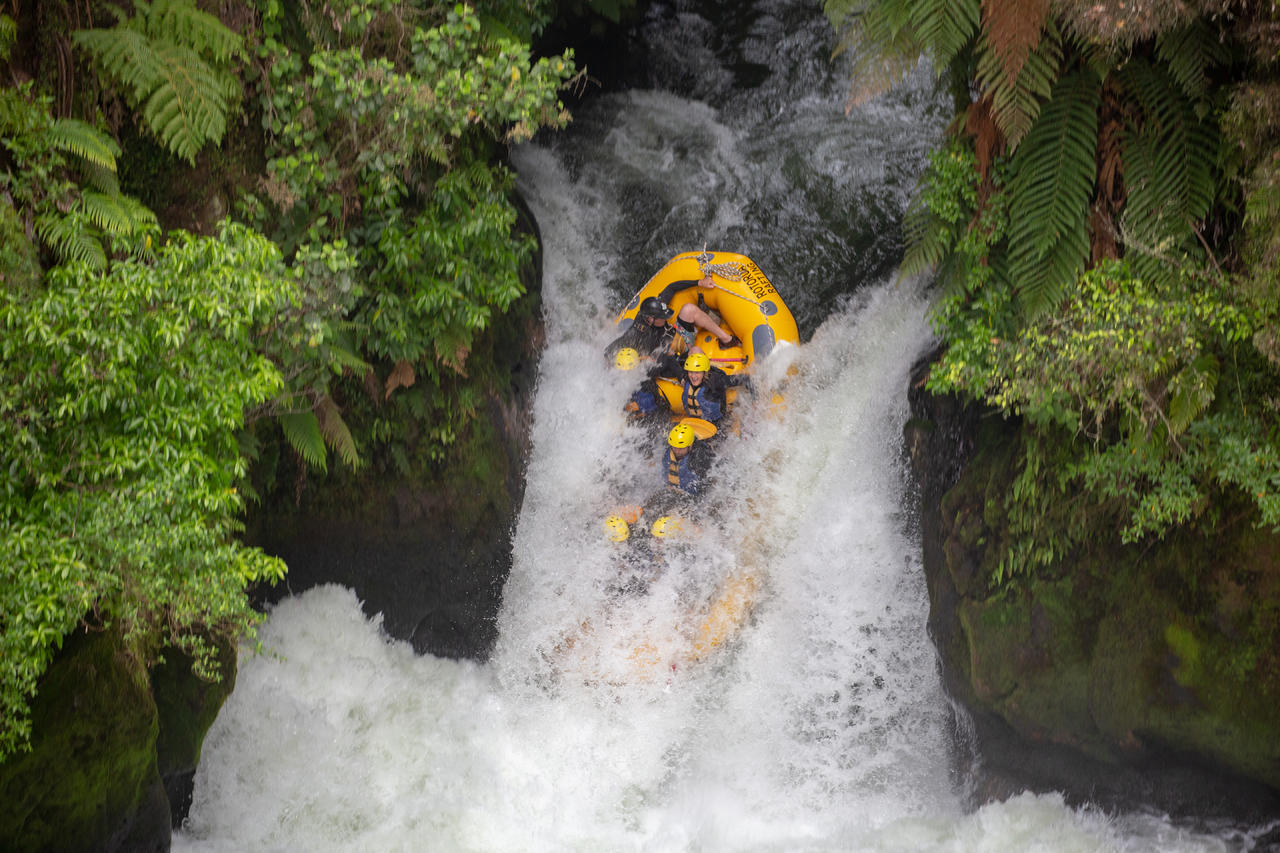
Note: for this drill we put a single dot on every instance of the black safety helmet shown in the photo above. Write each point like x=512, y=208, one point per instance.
x=656, y=308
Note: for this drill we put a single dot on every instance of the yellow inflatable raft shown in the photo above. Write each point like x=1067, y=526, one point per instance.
x=742, y=299
x=593, y=653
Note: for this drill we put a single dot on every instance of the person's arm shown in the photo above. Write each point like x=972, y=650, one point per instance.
x=669, y=292
x=668, y=367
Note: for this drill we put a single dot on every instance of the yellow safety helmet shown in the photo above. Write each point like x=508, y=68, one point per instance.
x=626, y=359
x=667, y=525
x=616, y=529
x=697, y=361
x=682, y=435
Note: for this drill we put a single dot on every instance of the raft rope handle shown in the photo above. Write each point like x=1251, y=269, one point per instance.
x=729, y=271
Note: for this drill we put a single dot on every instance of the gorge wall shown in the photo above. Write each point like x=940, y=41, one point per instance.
x=1129, y=674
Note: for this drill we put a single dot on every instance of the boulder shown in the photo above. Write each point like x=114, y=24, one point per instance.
x=90, y=781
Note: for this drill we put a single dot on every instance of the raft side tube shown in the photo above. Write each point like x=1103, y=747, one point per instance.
x=750, y=307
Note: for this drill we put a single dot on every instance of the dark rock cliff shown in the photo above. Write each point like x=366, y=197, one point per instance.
x=1127, y=675
x=112, y=749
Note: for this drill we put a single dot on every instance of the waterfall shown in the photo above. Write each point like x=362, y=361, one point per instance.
x=822, y=725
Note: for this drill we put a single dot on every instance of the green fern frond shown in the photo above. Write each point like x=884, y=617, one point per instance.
x=249, y=445
x=189, y=107
x=343, y=358
x=1052, y=183
x=1016, y=102
x=119, y=216
x=1189, y=52
x=925, y=237
x=98, y=178
x=85, y=141
x=169, y=59
x=144, y=218
x=107, y=213
x=125, y=55
x=180, y=22
x=71, y=240
x=302, y=429
x=882, y=43
x=336, y=433
x=1168, y=160
x=945, y=26
x=8, y=35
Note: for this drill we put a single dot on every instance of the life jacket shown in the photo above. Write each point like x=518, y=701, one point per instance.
x=679, y=475
x=697, y=402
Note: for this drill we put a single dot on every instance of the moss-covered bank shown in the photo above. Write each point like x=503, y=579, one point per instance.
x=1128, y=673
x=107, y=742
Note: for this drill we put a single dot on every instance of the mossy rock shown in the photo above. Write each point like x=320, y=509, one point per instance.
x=1030, y=663
x=187, y=706
x=1125, y=653
x=1159, y=682
x=90, y=780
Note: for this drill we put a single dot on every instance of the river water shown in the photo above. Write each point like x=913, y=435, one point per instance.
x=822, y=726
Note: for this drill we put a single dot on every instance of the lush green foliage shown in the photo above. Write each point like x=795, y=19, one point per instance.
x=139, y=373
x=173, y=62
x=390, y=154
x=87, y=220
x=123, y=396
x=1157, y=386
x=1149, y=385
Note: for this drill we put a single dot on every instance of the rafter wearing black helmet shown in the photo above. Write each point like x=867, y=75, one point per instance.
x=657, y=329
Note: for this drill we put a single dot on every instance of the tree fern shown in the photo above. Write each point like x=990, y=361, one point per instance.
x=1189, y=53
x=1012, y=29
x=882, y=42
x=945, y=26
x=180, y=22
x=1190, y=393
x=1168, y=156
x=189, y=105
x=8, y=35
x=925, y=235
x=1016, y=100
x=1052, y=183
x=125, y=54
x=171, y=59
x=343, y=357
x=109, y=213
x=71, y=238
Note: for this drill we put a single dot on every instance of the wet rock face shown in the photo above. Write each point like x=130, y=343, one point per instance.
x=434, y=582
x=90, y=781
x=186, y=706
x=428, y=554
x=1125, y=675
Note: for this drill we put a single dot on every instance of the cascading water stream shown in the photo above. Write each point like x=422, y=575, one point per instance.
x=823, y=726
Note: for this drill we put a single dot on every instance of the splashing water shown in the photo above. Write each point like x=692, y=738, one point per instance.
x=822, y=725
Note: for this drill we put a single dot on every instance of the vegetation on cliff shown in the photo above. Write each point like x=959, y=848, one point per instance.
x=1103, y=221
x=144, y=369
